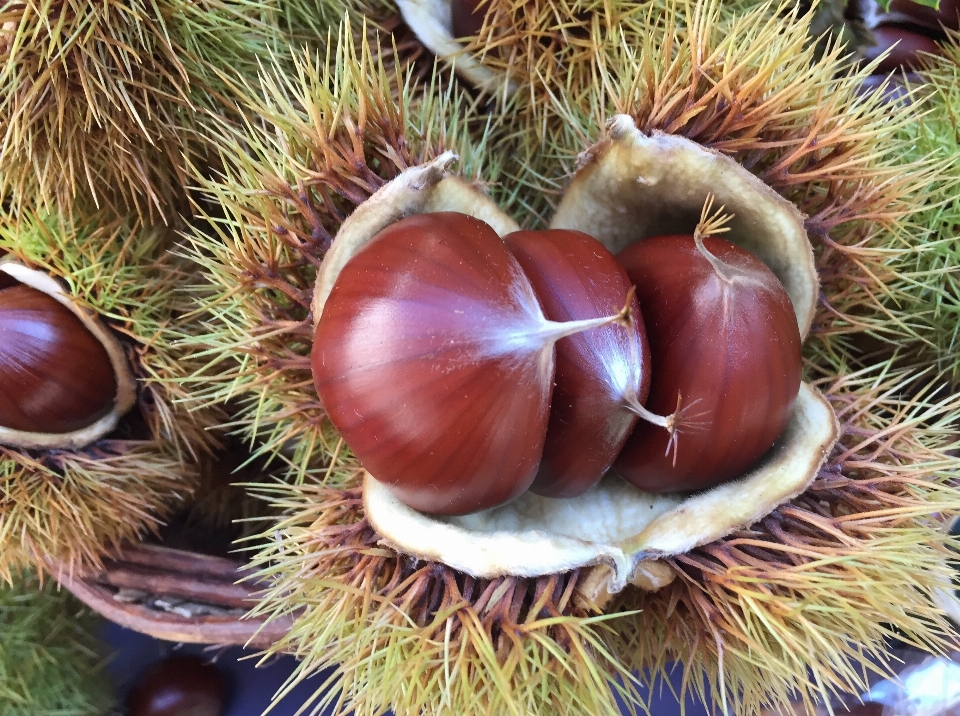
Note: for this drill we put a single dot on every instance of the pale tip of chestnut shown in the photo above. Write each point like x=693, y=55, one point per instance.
x=126, y=390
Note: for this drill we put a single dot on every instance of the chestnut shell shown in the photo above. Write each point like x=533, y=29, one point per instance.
x=55, y=376
x=906, y=48
x=467, y=17
x=423, y=363
x=729, y=346
x=576, y=277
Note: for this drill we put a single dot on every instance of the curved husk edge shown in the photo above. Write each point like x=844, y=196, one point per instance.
x=632, y=186
x=126, y=384
x=432, y=22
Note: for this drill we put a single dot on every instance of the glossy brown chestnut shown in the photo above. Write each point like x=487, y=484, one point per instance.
x=55, y=376
x=434, y=361
x=599, y=373
x=906, y=48
x=723, y=335
x=467, y=17
x=179, y=686
x=947, y=15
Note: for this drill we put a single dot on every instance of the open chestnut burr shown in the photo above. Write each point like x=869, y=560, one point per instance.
x=621, y=530
x=64, y=377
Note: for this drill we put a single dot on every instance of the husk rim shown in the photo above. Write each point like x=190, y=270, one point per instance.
x=655, y=159
x=538, y=552
x=421, y=189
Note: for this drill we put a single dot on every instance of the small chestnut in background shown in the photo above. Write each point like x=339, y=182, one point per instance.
x=603, y=375
x=179, y=685
x=906, y=48
x=724, y=336
x=55, y=376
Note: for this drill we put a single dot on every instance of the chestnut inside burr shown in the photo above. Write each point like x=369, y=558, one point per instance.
x=628, y=184
x=435, y=362
x=179, y=686
x=55, y=376
x=723, y=336
x=600, y=373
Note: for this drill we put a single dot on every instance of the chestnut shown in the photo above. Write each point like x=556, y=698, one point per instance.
x=896, y=86
x=55, y=376
x=433, y=359
x=946, y=15
x=64, y=377
x=179, y=685
x=905, y=46
x=723, y=335
x=603, y=375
